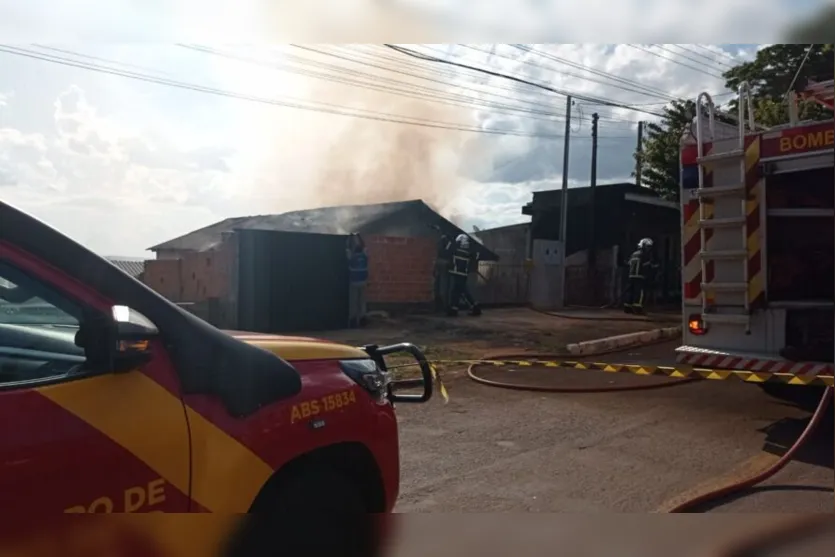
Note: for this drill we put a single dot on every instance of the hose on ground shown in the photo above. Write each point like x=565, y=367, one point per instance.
x=748, y=483
x=743, y=548
x=650, y=318
x=471, y=373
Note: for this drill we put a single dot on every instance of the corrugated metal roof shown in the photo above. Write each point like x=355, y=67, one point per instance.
x=132, y=267
x=403, y=218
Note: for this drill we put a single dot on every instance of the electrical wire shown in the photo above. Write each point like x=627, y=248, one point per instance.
x=327, y=108
x=712, y=60
x=607, y=118
x=415, y=54
x=651, y=91
x=701, y=63
x=378, y=83
x=450, y=72
x=717, y=53
x=799, y=69
x=439, y=96
x=648, y=51
x=640, y=89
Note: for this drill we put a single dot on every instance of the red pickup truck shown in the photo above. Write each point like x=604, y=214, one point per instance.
x=115, y=400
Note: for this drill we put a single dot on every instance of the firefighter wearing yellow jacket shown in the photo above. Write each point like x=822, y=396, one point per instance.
x=459, y=271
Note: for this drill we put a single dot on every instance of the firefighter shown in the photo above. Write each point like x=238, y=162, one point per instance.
x=443, y=260
x=358, y=277
x=641, y=264
x=459, y=272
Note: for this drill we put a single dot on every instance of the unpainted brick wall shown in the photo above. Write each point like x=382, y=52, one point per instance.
x=194, y=277
x=400, y=270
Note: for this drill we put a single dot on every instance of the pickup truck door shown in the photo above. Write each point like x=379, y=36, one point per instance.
x=72, y=441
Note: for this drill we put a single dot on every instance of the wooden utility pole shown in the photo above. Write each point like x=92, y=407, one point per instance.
x=640, y=151
x=564, y=200
x=592, y=204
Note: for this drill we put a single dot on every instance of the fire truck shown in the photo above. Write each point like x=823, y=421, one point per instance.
x=757, y=210
x=115, y=400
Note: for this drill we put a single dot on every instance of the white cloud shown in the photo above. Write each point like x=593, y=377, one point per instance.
x=122, y=164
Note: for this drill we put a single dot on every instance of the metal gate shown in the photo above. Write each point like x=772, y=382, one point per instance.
x=291, y=281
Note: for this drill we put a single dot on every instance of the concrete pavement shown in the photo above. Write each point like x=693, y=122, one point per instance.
x=497, y=450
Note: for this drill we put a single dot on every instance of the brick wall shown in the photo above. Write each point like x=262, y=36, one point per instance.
x=194, y=277
x=399, y=273
x=400, y=270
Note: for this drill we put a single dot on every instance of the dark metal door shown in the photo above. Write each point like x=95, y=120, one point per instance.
x=291, y=281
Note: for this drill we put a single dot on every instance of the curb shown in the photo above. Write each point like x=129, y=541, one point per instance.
x=608, y=344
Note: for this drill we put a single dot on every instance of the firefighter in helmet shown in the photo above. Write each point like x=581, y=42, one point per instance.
x=641, y=264
x=459, y=272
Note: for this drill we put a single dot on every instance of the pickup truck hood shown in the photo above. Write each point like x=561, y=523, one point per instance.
x=294, y=349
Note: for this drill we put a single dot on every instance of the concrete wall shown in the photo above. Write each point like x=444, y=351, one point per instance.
x=510, y=243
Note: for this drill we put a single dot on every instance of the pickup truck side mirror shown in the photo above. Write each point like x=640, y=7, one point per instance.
x=118, y=342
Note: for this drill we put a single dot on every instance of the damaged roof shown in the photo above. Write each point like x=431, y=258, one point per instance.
x=402, y=218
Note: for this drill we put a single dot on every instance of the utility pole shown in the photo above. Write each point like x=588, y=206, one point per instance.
x=639, y=150
x=593, y=206
x=564, y=199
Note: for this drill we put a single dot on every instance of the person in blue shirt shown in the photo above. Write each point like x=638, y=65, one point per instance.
x=357, y=280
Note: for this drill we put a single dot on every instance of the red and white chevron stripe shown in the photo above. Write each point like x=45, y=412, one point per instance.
x=722, y=361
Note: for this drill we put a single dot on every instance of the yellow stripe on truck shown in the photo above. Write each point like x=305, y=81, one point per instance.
x=147, y=420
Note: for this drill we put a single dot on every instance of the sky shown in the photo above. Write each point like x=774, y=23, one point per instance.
x=122, y=164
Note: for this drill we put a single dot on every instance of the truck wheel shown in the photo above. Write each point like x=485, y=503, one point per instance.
x=313, y=511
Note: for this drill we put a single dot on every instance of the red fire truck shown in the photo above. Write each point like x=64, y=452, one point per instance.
x=115, y=400
x=758, y=215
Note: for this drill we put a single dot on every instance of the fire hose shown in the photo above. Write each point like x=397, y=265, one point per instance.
x=694, y=503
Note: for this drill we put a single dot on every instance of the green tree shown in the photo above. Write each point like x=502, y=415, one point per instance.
x=770, y=75
x=774, y=71
x=659, y=159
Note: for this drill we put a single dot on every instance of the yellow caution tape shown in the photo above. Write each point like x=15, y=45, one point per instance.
x=640, y=369
x=441, y=387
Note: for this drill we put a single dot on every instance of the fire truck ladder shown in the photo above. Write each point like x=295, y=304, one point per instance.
x=706, y=195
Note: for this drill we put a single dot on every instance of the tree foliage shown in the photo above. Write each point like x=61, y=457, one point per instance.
x=658, y=159
x=770, y=76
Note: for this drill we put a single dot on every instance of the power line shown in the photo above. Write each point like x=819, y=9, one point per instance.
x=701, y=63
x=648, y=51
x=799, y=69
x=377, y=83
x=100, y=59
x=440, y=96
x=647, y=90
x=652, y=91
x=519, y=90
x=718, y=53
x=415, y=54
x=711, y=59
x=327, y=108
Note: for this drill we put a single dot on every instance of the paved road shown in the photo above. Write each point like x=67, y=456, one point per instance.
x=494, y=450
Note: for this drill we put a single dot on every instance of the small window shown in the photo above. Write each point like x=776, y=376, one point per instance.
x=37, y=329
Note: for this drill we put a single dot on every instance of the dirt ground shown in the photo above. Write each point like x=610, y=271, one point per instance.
x=505, y=330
